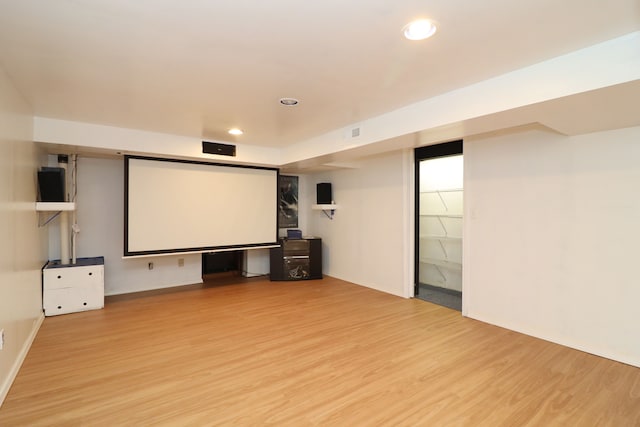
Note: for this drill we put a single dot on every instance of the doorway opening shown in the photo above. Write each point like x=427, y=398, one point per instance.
x=439, y=214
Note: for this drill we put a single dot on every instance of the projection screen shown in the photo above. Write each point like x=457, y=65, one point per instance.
x=176, y=206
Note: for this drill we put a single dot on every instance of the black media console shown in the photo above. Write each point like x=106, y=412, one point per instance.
x=296, y=259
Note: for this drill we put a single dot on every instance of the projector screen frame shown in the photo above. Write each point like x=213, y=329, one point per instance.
x=203, y=249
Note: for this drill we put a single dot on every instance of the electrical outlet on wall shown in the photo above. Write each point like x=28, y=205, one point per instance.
x=1, y=339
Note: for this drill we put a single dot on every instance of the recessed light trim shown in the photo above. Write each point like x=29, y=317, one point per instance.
x=236, y=131
x=419, y=30
x=289, y=102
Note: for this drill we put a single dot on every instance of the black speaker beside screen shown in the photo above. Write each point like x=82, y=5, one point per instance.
x=51, y=184
x=323, y=193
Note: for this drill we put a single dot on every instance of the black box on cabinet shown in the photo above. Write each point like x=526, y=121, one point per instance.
x=297, y=259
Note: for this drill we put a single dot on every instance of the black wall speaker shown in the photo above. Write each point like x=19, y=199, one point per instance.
x=216, y=148
x=51, y=184
x=323, y=193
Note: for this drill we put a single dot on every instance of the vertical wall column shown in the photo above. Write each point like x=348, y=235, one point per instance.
x=64, y=218
x=73, y=195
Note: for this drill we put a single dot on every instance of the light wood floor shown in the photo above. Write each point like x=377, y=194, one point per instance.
x=323, y=352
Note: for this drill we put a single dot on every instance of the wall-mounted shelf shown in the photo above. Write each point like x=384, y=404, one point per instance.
x=442, y=238
x=55, y=207
x=448, y=190
x=451, y=265
x=324, y=207
x=328, y=209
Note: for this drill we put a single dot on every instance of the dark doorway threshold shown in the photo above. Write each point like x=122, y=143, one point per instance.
x=446, y=297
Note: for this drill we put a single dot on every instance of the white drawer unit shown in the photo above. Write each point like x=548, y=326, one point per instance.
x=70, y=288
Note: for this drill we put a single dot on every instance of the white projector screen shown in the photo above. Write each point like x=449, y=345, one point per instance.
x=181, y=206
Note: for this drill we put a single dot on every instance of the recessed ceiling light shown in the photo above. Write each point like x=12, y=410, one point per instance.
x=235, y=131
x=289, y=102
x=419, y=30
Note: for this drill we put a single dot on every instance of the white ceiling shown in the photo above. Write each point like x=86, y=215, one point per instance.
x=199, y=67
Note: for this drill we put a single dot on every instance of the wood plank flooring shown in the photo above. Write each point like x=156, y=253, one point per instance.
x=323, y=352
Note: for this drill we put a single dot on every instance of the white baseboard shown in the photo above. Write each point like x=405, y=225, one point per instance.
x=17, y=364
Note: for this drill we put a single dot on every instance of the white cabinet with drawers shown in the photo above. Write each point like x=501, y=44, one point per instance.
x=70, y=288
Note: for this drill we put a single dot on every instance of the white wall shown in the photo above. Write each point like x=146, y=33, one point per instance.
x=551, y=236
x=550, y=231
x=369, y=240
x=23, y=248
x=100, y=208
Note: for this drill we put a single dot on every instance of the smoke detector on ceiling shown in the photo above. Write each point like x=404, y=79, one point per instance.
x=289, y=102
